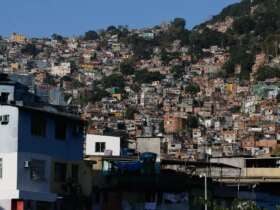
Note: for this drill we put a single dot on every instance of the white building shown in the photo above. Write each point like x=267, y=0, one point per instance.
x=61, y=70
x=98, y=145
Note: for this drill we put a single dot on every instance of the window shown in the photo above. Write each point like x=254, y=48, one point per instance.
x=4, y=119
x=1, y=168
x=4, y=97
x=77, y=129
x=38, y=125
x=75, y=172
x=99, y=146
x=60, y=170
x=60, y=129
x=37, y=171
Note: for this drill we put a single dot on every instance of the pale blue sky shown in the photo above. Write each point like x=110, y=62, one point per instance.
x=74, y=17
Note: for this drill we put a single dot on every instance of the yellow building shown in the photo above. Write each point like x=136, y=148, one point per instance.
x=15, y=66
x=118, y=114
x=18, y=38
x=87, y=67
x=229, y=88
x=117, y=96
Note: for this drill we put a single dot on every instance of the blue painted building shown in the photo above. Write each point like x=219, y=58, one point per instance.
x=41, y=150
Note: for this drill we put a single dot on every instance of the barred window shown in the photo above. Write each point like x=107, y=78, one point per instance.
x=99, y=146
x=37, y=171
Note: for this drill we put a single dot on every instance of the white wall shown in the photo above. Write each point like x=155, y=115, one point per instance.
x=9, y=132
x=61, y=70
x=8, y=183
x=5, y=204
x=111, y=143
x=8, y=153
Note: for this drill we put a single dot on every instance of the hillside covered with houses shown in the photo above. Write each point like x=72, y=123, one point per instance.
x=213, y=90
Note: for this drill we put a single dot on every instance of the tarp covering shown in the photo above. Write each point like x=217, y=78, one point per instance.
x=129, y=166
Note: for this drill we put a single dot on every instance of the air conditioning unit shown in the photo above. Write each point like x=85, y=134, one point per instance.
x=108, y=152
x=27, y=164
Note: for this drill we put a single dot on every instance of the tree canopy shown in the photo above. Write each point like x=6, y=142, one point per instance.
x=127, y=67
x=91, y=35
x=145, y=76
x=193, y=88
x=30, y=49
x=114, y=80
x=267, y=73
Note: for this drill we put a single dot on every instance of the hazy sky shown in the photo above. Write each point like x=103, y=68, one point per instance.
x=74, y=17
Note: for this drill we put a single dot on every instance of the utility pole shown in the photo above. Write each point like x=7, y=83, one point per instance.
x=205, y=191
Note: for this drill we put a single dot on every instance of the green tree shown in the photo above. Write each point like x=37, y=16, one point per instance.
x=112, y=29
x=98, y=93
x=176, y=31
x=267, y=72
x=127, y=67
x=145, y=76
x=91, y=35
x=268, y=22
x=192, y=122
x=243, y=57
x=179, y=24
x=30, y=49
x=271, y=45
x=278, y=97
x=234, y=10
x=142, y=49
x=244, y=25
x=58, y=37
x=178, y=71
x=192, y=88
x=114, y=80
x=166, y=57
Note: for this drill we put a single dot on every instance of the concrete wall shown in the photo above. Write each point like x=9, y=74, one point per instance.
x=111, y=143
x=235, y=161
x=149, y=144
x=262, y=172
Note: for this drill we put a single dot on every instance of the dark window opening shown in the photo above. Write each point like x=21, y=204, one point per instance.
x=75, y=172
x=38, y=125
x=99, y=146
x=60, y=170
x=150, y=197
x=4, y=119
x=4, y=97
x=60, y=129
x=37, y=172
